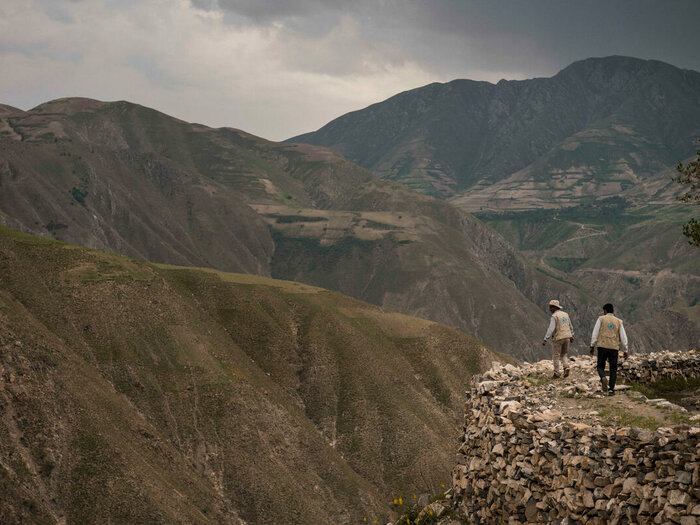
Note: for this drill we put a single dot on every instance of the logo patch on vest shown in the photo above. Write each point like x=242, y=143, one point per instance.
x=611, y=326
x=563, y=320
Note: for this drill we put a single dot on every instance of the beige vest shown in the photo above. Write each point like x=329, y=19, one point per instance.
x=609, y=334
x=562, y=327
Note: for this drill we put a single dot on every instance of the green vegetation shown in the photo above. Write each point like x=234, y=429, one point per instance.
x=286, y=219
x=673, y=389
x=79, y=195
x=537, y=380
x=55, y=226
x=611, y=209
x=294, y=253
x=380, y=225
x=620, y=416
x=543, y=229
x=411, y=516
x=689, y=175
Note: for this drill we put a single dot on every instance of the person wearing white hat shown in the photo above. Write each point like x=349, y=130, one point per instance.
x=561, y=331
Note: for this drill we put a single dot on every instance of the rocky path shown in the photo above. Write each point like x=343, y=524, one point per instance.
x=579, y=397
x=538, y=449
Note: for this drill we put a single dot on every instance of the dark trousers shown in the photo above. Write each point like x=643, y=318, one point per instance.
x=610, y=355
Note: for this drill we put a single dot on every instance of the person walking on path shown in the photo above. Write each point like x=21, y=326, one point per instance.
x=562, y=333
x=609, y=334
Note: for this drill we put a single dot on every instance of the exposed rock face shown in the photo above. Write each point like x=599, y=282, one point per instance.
x=530, y=455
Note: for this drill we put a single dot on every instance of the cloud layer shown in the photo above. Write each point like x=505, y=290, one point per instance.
x=281, y=67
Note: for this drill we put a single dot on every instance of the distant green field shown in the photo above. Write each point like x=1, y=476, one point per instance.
x=543, y=229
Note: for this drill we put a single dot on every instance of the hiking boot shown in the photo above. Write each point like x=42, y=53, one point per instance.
x=604, y=384
x=566, y=372
x=611, y=393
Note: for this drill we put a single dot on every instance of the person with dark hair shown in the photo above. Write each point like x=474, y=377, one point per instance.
x=609, y=334
x=562, y=333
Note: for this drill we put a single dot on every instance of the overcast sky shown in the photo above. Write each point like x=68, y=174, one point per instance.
x=277, y=68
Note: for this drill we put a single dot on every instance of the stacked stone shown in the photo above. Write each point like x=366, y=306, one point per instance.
x=661, y=365
x=521, y=462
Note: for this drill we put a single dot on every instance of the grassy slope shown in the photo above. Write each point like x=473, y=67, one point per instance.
x=146, y=393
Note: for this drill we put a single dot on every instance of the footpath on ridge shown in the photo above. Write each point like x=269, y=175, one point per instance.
x=540, y=450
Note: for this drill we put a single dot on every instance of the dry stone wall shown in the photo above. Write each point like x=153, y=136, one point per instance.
x=524, y=460
x=663, y=365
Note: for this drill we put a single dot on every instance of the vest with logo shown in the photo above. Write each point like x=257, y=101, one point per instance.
x=609, y=334
x=562, y=326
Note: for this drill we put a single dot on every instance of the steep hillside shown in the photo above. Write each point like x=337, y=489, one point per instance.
x=133, y=392
x=125, y=178
x=599, y=127
x=574, y=170
x=634, y=256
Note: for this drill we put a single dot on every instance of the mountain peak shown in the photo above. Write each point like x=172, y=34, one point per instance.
x=6, y=111
x=605, y=68
x=69, y=105
x=443, y=139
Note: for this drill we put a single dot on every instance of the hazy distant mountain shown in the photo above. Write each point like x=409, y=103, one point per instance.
x=136, y=393
x=605, y=122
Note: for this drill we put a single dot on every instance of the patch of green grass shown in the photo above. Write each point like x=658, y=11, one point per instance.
x=680, y=418
x=380, y=225
x=24, y=238
x=613, y=415
x=669, y=388
x=79, y=195
x=437, y=497
x=664, y=386
x=287, y=219
x=537, y=380
x=111, y=270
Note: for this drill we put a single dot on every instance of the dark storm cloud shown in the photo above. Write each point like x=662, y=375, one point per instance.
x=458, y=36
x=278, y=68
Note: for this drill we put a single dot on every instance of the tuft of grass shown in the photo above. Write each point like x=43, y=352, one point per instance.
x=623, y=417
x=79, y=195
x=672, y=389
x=537, y=380
x=680, y=418
x=288, y=219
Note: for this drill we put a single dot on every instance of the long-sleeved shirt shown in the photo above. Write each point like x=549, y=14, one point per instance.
x=553, y=325
x=623, y=335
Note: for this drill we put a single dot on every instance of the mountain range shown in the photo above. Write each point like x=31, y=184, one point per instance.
x=599, y=127
x=574, y=170
x=283, y=380
x=125, y=178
